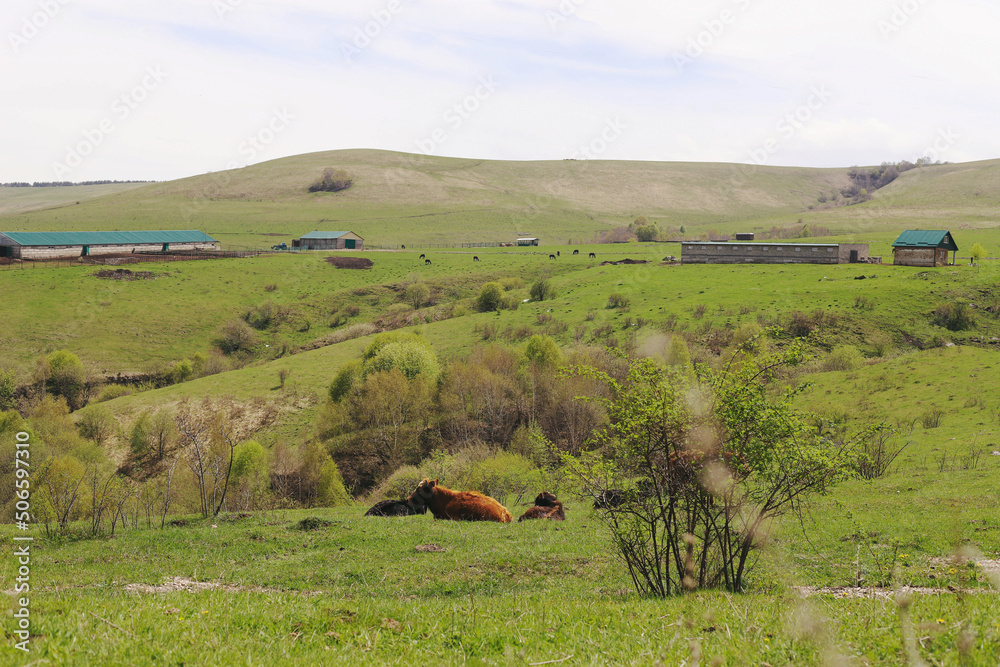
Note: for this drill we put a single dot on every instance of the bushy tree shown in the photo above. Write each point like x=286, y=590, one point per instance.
x=542, y=351
x=67, y=378
x=708, y=464
x=542, y=290
x=332, y=180
x=417, y=294
x=410, y=358
x=490, y=297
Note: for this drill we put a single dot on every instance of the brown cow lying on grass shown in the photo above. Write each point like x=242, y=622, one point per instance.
x=547, y=506
x=458, y=505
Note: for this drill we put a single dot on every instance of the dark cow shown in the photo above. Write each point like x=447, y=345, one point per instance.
x=552, y=256
x=593, y=255
x=547, y=506
x=557, y=254
x=576, y=252
x=475, y=258
x=403, y=247
x=609, y=498
x=397, y=508
x=426, y=262
x=421, y=257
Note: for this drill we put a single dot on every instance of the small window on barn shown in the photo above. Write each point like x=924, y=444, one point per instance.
x=798, y=250
x=815, y=249
x=829, y=249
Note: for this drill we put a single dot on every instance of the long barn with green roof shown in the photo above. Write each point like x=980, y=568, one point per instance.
x=69, y=245
x=920, y=247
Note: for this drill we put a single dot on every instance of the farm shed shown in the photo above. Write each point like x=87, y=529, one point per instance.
x=923, y=248
x=744, y=236
x=329, y=241
x=527, y=240
x=712, y=252
x=68, y=245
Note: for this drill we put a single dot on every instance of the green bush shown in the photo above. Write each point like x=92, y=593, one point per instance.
x=543, y=351
x=843, y=358
x=954, y=317
x=542, y=290
x=113, y=391
x=332, y=180
x=410, y=358
x=617, y=300
x=490, y=298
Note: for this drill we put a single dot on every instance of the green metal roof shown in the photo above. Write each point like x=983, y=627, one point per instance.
x=108, y=238
x=920, y=238
x=325, y=235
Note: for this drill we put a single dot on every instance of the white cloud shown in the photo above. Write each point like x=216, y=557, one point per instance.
x=563, y=68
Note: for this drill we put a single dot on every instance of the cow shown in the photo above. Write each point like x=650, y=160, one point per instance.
x=609, y=498
x=557, y=254
x=403, y=246
x=552, y=256
x=396, y=508
x=427, y=262
x=422, y=257
x=458, y=505
x=475, y=258
x=593, y=255
x=547, y=506
x=576, y=252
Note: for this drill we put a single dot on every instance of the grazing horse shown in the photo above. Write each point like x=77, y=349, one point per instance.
x=396, y=508
x=593, y=255
x=547, y=506
x=576, y=252
x=403, y=247
x=458, y=505
x=552, y=256
x=422, y=257
x=557, y=254
x=475, y=258
x=426, y=262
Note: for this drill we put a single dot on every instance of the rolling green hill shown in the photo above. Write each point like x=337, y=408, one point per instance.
x=414, y=199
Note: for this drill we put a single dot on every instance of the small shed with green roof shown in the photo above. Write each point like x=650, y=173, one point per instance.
x=329, y=241
x=918, y=247
x=69, y=245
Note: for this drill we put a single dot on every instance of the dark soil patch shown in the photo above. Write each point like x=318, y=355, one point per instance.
x=124, y=274
x=350, y=262
x=626, y=261
x=313, y=523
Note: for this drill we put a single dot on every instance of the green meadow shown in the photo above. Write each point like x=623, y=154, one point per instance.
x=903, y=569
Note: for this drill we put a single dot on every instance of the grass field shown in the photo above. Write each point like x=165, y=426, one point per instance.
x=22, y=200
x=258, y=590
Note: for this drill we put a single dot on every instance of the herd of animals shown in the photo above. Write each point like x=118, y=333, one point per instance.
x=444, y=503
x=475, y=258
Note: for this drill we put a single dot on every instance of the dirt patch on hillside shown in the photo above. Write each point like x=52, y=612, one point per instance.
x=350, y=262
x=625, y=261
x=176, y=584
x=124, y=274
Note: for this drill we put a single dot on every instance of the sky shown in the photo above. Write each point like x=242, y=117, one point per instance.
x=163, y=89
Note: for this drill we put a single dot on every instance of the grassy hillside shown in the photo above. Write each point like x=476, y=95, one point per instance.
x=402, y=198
x=21, y=200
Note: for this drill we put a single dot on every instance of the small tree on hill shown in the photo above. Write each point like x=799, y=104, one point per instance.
x=332, y=180
x=977, y=253
x=490, y=298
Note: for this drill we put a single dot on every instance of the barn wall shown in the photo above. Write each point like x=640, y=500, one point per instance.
x=74, y=251
x=915, y=256
x=758, y=253
x=844, y=255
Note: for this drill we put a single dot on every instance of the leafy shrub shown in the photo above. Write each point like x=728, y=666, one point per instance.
x=543, y=351
x=954, y=317
x=800, y=324
x=417, y=294
x=267, y=315
x=237, y=336
x=932, y=417
x=511, y=282
x=410, y=358
x=542, y=290
x=332, y=180
x=490, y=297
x=112, y=391
x=843, y=358
x=617, y=300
